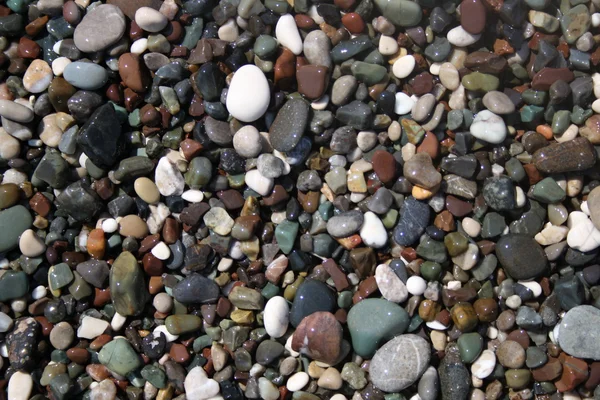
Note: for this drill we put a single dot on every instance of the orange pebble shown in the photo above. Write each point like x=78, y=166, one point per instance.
x=544, y=130
x=353, y=22
x=96, y=246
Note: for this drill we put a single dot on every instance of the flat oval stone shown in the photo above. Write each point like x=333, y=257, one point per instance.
x=196, y=288
x=373, y=321
x=401, y=12
x=312, y=296
x=521, y=256
x=100, y=28
x=472, y=16
x=399, y=363
x=414, y=218
x=127, y=287
x=570, y=156
x=498, y=102
x=14, y=220
x=248, y=95
x=15, y=111
x=85, y=75
x=119, y=356
x=345, y=224
x=288, y=127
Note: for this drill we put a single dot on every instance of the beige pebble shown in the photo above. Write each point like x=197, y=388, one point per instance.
x=38, y=76
x=471, y=227
x=146, y=190
x=438, y=339
x=30, y=244
x=449, y=76
x=330, y=379
x=314, y=371
x=9, y=146
x=132, y=225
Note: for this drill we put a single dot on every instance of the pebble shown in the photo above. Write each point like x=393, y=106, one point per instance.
x=150, y=19
x=15, y=111
x=198, y=386
x=403, y=66
x=86, y=76
x=577, y=334
x=489, y=127
x=38, y=76
x=276, y=317
x=287, y=34
x=20, y=386
x=99, y=28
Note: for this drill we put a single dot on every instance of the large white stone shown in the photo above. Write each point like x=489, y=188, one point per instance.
x=20, y=386
x=198, y=386
x=168, y=178
x=276, y=316
x=583, y=236
x=461, y=38
x=403, y=66
x=150, y=19
x=404, y=103
x=248, y=95
x=372, y=232
x=286, y=32
x=91, y=327
x=489, y=127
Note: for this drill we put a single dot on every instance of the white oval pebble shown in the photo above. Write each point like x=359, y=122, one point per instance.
x=249, y=94
x=59, y=64
x=404, y=103
x=6, y=322
x=20, y=386
x=139, y=46
x=229, y=31
x=489, y=127
x=461, y=38
x=259, y=183
x=286, y=32
x=150, y=19
x=276, y=316
x=373, y=232
x=161, y=251
x=117, y=322
x=387, y=45
x=297, y=381
x=416, y=285
x=246, y=142
x=162, y=302
x=403, y=66
x=39, y=292
x=484, y=365
x=193, y=196
x=30, y=244
x=110, y=225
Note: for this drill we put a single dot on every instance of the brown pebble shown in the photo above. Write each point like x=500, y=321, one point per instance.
x=312, y=81
x=285, y=69
x=575, y=371
x=133, y=72
x=384, y=165
x=547, y=76
x=353, y=22
x=472, y=16
x=71, y=12
x=40, y=204
x=78, y=355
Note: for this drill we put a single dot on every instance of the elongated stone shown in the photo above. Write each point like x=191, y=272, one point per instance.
x=289, y=125
x=101, y=139
x=570, y=156
x=400, y=12
x=14, y=220
x=127, y=287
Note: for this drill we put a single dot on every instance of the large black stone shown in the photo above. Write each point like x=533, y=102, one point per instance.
x=100, y=137
x=79, y=201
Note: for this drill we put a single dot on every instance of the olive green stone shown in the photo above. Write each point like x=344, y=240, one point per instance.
x=432, y=250
x=431, y=271
x=517, y=378
x=370, y=74
x=485, y=268
x=389, y=218
x=9, y=195
x=79, y=289
x=193, y=33
x=470, y=346
x=127, y=286
x=286, y=233
x=480, y=81
x=199, y=172
x=155, y=376
x=575, y=23
x=59, y=276
x=133, y=167
x=265, y=46
x=400, y=12
x=373, y=322
x=50, y=371
x=246, y=298
x=534, y=97
x=13, y=284
x=456, y=243
x=182, y=323
x=14, y=221
x=548, y=191
x=118, y=356
x=493, y=225
x=560, y=121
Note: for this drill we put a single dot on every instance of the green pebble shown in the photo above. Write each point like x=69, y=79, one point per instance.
x=199, y=172
x=534, y=97
x=531, y=113
x=13, y=284
x=14, y=221
x=580, y=115
x=173, y=138
x=201, y=342
x=59, y=276
x=286, y=233
x=560, y=121
x=265, y=46
x=370, y=74
x=456, y=243
x=575, y=23
x=480, y=81
x=493, y=225
x=455, y=119
x=517, y=378
x=390, y=218
x=470, y=346
x=431, y=271
x=277, y=6
x=401, y=12
x=118, y=356
x=155, y=376
x=485, y=268
x=127, y=286
x=269, y=291
x=182, y=323
x=548, y=191
x=432, y=250
x=193, y=33
x=80, y=289
x=324, y=245
x=344, y=299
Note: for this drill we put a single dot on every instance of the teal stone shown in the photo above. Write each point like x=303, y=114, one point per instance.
x=13, y=222
x=432, y=250
x=12, y=25
x=485, y=268
x=286, y=233
x=519, y=71
x=201, y=342
x=59, y=276
x=375, y=57
x=515, y=170
x=269, y=291
x=277, y=6
x=470, y=346
x=193, y=33
x=531, y=113
x=400, y=12
x=85, y=75
x=493, y=225
x=344, y=299
x=59, y=28
x=326, y=210
x=370, y=74
x=349, y=48
x=580, y=115
x=560, y=121
x=133, y=119
x=575, y=23
x=119, y=356
x=548, y=191
x=372, y=322
x=18, y=6
x=324, y=245
x=127, y=286
x=155, y=376
x=13, y=284
x=80, y=289
x=265, y=46
x=60, y=386
x=415, y=323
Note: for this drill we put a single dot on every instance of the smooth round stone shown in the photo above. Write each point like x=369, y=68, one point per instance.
x=579, y=332
x=489, y=127
x=484, y=365
x=470, y=346
x=15, y=111
x=132, y=225
x=62, y=335
x=85, y=75
x=498, y=102
x=345, y=224
x=119, y=356
x=390, y=285
x=521, y=256
x=289, y=125
x=150, y=19
x=38, y=76
x=146, y=190
x=423, y=107
x=312, y=296
x=9, y=195
x=403, y=66
x=593, y=202
x=127, y=287
x=400, y=12
x=247, y=142
x=374, y=321
x=399, y=363
x=182, y=323
x=100, y=28
x=14, y=220
x=510, y=354
x=276, y=316
x=461, y=38
x=316, y=48
x=404, y=103
x=30, y=244
x=20, y=386
x=449, y=76
x=248, y=95
x=287, y=34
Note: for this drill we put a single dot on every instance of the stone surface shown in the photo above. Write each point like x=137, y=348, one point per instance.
x=100, y=28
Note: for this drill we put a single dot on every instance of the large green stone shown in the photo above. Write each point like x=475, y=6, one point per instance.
x=119, y=356
x=470, y=346
x=373, y=322
x=13, y=284
x=59, y=276
x=286, y=233
x=182, y=323
x=13, y=222
x=400, y=12
x=548, y=191
x=127, y=286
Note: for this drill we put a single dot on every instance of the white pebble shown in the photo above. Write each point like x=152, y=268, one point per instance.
x=471, y=227
x=321, y=103
x=596, y=106
x=535, y=287
x=18, y=305
x=387, y=45
x=513, y=301
x=39, y=292
x=6, y=322
x=161, y=251
x=139, y=46
x=225, y=264
x=461, y=38
x=416, y=285
x=373, y=232
x=403, y=66
x=228, y=31
x=193, y=196
x=276, y=316
x=163, y=329
x=489, y=127
x=117, y=322
x=150, y=19
x=30, y=244
x=59, y=64
x=521, y=198
x=596, y=20
x=404, y=103
x=259, y=183
x=198, y=386
x=583, y=235
x=484, y=365
x=297, y=381
x=286, y=32
x=162, y=302
x=20, y=386
x=246, y=142
x=91, y=327
x=249, y=94
x=110, y=225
